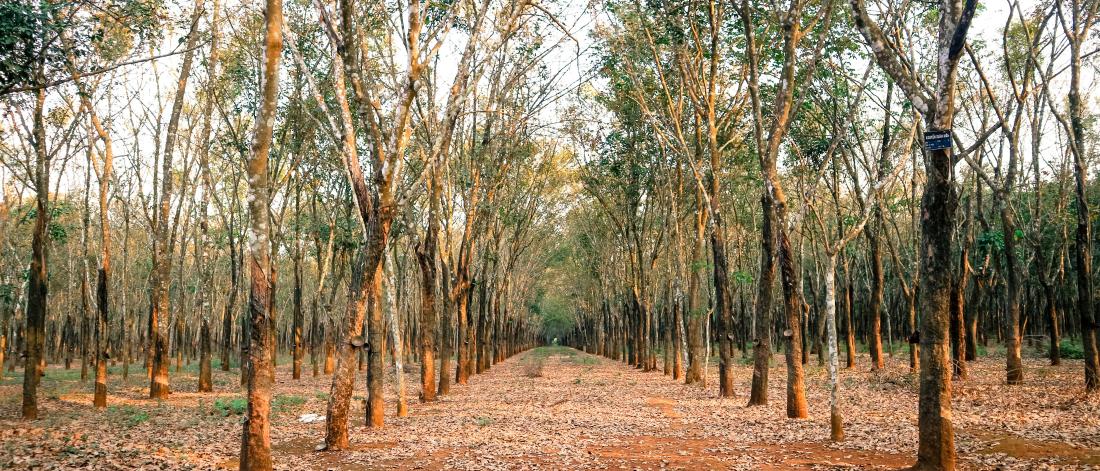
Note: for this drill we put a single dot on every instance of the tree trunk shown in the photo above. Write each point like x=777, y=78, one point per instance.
x=696, y=312
x=1014, y=367
x=1050, y=298
x=447, y=334
x=35, y=338
x=162, y=255
x=1083, y=236
x=206, y=383
x=762, y=350
x=256, y=439
x=426, y=254
x=836, y=422
x=298, y=314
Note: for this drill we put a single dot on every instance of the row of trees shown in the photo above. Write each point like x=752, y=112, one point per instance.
x=907, y=184
x=405, y=164
x=382, y=183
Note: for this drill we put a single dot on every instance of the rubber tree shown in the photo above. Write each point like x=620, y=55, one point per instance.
x=256, y=440
x=936, y=444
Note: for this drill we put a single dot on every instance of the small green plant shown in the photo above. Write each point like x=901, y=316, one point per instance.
x=137, y=417
x=232, y=406
x=576, y=381
x=484, y=421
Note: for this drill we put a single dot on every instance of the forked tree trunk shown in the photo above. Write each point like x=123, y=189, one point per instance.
x=103, y=170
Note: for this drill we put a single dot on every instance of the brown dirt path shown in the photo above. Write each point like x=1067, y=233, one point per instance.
x=583, y=412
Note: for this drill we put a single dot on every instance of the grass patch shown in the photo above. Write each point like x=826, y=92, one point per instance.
x=283, y=403
x=584, y=360
x=128, y=415
x=217, y=364
x=239, y=405
x=484, y=421
x=532, y=366
x=543, y=352
x=230, y=406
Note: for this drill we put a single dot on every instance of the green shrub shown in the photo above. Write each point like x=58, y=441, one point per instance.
x=1071, y=350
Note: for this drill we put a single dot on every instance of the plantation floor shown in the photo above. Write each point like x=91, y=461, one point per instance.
x=583, y=412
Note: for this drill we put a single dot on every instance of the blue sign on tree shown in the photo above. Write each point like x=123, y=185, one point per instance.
x=937, y=140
